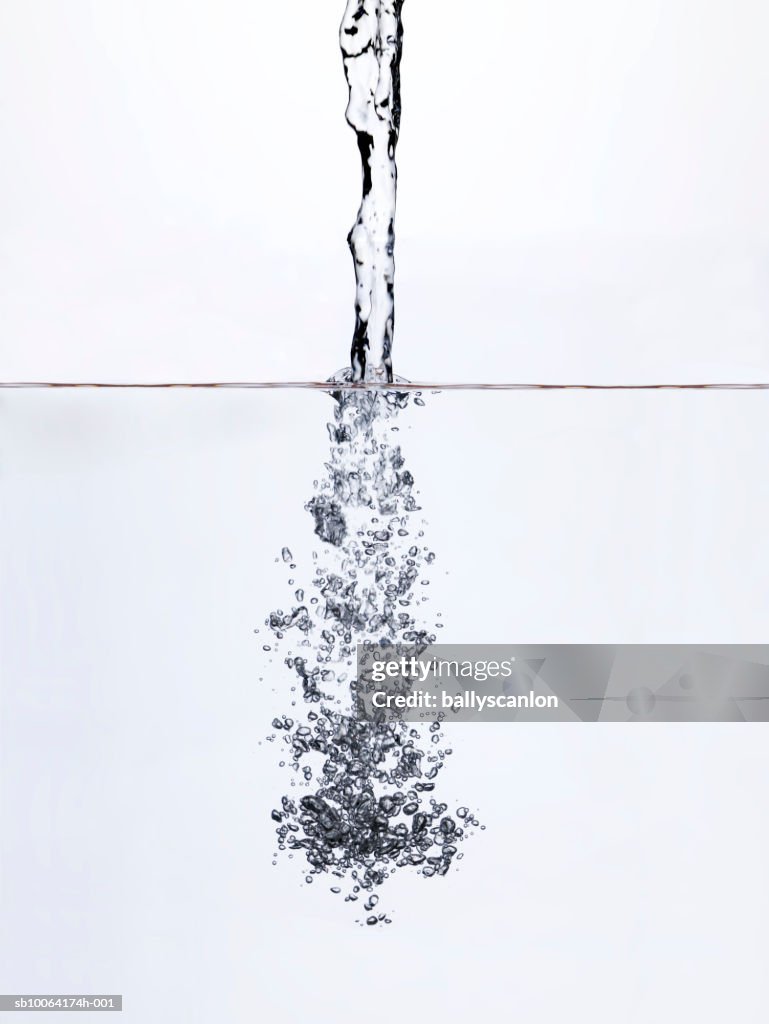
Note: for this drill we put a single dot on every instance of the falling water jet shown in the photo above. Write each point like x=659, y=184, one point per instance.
x=371, y=37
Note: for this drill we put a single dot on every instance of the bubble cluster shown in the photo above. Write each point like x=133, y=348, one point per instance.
x=370, y=805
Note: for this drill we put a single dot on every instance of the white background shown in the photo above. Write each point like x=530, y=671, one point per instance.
x=582, y=190
x=602, y=216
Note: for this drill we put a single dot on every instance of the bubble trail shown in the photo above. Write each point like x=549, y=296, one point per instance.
x=371, y=37
x=365, y=804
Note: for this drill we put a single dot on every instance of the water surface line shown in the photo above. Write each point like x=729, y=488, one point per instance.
x=330, y=386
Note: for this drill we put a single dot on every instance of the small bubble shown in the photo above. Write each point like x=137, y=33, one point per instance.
x=641, y=702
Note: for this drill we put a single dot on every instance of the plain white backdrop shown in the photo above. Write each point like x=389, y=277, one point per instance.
x=582, y=197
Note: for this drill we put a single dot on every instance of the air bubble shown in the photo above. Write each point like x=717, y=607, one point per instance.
x=363, y=811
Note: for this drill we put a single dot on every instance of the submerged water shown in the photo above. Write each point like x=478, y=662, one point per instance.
x=370, y=804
